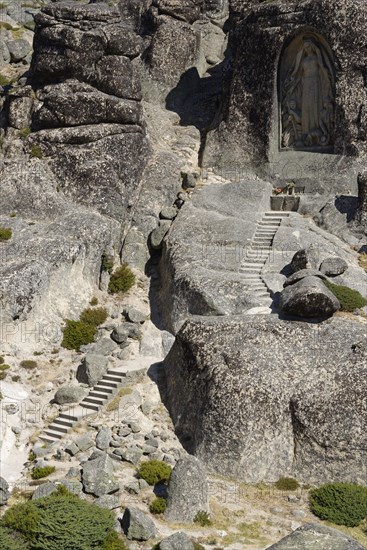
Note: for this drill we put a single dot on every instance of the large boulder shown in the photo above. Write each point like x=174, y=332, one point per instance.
x=187, y=491
x=69, y=394
x=92, y=369
x=317, y=537
x=137, y=525
x=308, y=298
x=4, y=491
x=333, y=267
x=258, y=397
x=98, y=476
x=307, y=258
x=302, y=274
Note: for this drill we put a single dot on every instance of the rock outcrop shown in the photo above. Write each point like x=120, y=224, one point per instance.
x=308, y=298
x=257, y=397
x=318, y=537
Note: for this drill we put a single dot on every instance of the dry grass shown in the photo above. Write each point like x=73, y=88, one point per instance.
x=113, y=405
x=363, y=261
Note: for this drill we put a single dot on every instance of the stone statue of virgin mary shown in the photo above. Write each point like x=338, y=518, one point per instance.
x=308, y=99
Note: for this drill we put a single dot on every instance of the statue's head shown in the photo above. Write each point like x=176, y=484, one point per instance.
x=309, y=46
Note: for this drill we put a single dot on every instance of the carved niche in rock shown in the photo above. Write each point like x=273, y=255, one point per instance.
x=307, y=94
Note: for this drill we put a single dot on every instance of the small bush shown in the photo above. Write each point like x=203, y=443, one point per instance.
x=63, y=521
x=24, y=133
x=2, y=360
x=3, y=375
x=94, y=301
x=28, y=364
x=40, y=472
x=4, y=81
x=76, y=334
x=4, y=366
x=202, y=518
x=36, y=152
x=287, y=484
x=340, y=503
x=15, y=378
x=114, y=542
x=5, y=234
x=349, y=299
x=121, y=280
x=94, y=317
x=154, y=471
x=107, y=263
x=158, y=506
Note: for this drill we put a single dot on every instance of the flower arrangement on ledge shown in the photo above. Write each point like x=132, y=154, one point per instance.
x=287, y=190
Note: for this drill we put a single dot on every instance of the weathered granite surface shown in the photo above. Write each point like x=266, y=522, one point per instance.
x=258, y=397
x=317, y=537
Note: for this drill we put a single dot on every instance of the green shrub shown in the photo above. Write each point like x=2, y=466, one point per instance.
x=28, y=364
x=24, y=133
x=121, y=280
x=107, y=263
x=340, y=503
x=154, y=471
x=4, y=366
x=158, y=506
x=287, y=484
x=40, y=472
x=76, y=334
x=5, y=234
x=94, y=317
x=15, y=378
x=11, y=541
x=36, y=152
x=94, y=301
x=114, y=542
x=349, y=299
x=63, y=521
x=2, y=360
x=4, y=80
x=202, y=518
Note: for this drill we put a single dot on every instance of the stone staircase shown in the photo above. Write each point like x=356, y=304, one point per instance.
x=258, y=253
x=105, y=388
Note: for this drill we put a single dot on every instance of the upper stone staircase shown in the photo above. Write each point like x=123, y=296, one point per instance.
x=258, y=253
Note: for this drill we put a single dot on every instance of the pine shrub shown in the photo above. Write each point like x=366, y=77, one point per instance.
x=5, y=234
x=77, y=333
x=28, y=364
x=107, y=263
x=121, y=280
x=40, y=472
x=154, y=471
x=340, y=503
x=94, y=317
x=202, y=518
x=11, y=541
x=287, y=484
x=349, y=299
x=63, y=521
x=158, y=506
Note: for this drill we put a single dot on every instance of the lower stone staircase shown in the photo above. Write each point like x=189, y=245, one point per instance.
x=257, y=254
x=105, y=388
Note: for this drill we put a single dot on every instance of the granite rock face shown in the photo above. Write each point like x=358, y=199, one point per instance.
x=204, y=250
x=137, y=525
x=318, y=537
x=88, y=117
x=299, y=396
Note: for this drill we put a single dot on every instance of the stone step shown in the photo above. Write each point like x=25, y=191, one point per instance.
x=280, y=213
x=57, y=428
x=108, y=384
x=47, y=438
x=99, y=394
x=116, y=373
x=65, y=416
x=106, y=389
x=66, y=423
x=93, y=400
x=53, y=434
x=113, y=378
x=91, y=406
